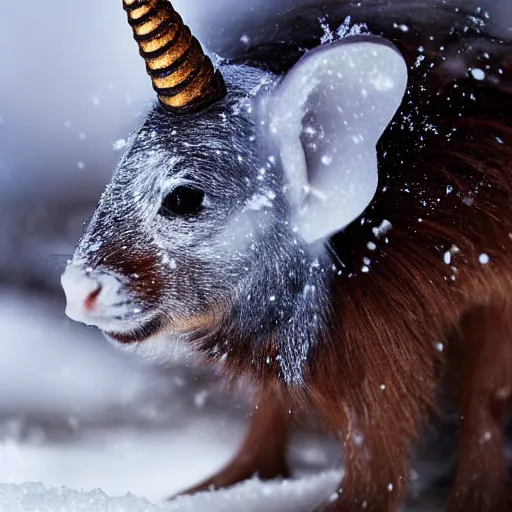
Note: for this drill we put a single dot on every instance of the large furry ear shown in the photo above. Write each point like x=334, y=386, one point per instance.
x=326, y=118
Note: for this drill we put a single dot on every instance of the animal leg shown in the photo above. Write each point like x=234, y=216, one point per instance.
x=484, y=364
x=376, y=469
x=263, y=452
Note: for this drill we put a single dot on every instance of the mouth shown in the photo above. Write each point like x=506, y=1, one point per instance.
x=139, y=334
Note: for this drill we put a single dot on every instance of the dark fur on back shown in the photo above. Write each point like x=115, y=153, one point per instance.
x=417, y=303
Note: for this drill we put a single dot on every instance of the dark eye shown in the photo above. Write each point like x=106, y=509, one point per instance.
x=183, y=200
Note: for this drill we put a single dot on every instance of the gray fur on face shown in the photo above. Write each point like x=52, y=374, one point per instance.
x=239, y=252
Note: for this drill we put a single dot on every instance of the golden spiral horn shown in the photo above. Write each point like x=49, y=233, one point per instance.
x=182, y=75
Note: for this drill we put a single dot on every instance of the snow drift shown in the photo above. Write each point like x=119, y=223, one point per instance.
x=252, y=496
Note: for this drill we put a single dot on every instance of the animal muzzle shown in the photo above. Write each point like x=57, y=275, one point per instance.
x=99, y=299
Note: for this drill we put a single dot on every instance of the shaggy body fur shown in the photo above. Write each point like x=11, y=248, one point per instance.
x=415, y=293
x=428, y=311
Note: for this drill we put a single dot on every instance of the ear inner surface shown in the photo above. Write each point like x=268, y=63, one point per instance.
x=326, y=119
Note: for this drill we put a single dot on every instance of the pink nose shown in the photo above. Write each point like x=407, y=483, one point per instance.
x=91, y=301
x=91, y=297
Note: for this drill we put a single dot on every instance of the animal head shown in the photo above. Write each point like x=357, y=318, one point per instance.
x=222, y=203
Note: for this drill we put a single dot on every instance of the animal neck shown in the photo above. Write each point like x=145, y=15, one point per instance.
x=276, y=317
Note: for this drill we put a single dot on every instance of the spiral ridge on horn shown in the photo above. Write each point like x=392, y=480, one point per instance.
x=183, y=75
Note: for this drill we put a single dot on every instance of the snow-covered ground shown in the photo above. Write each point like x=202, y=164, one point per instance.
x=76, y=414
x=287, y=496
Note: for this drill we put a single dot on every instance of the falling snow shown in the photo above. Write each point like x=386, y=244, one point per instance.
x=401, y=27
x=478, y=74
x=383, y=229
x=484, y=259
x=347, y=29
x=120, y=144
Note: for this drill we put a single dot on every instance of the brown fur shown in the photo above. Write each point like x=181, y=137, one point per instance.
x=374, y=375
x=261, y=456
